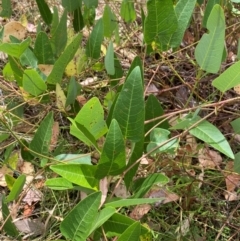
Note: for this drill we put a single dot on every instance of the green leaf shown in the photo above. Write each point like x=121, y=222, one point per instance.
x=91, y=116
x=6, y=9
x=160, y=23
x=93, y=48
x=80, y=174
x=136, y=154
x=228, y=79
x=43, y=50
x=77, y=225
x=209, y=7
x=236, y=126
x=59, y=183
x=183, y=10
x=8, y=73
x=16, y=189
x=17, y=69
x=15, y=49
x=109, y=59
x=136, y=62
x=62, y=62
x=129, y=107
x=210, y=134
x=10, y=180
x=73, y=90
x=109, y=21
x=131, y=202
x=33, y=83
x=118, y=72
x=132, y=233
x=29, y=59
x=210, y=48
x=8, y=225
x=103, y=216
x=41, y=140
x=82, y=133
x=74, y=158
x=60, y=98
x=59, y=36
x=128, y=11
x=91, y=3
x=78, y=22
x=118, y=223
x=44, y=11
x=237, y=163
x=113, y=159
x=153, y=110
x=71, y=5
x=159, y=136
x=149, y=182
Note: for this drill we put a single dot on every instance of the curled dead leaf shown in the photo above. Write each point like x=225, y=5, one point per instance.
x=15, y=29
x=209, y=158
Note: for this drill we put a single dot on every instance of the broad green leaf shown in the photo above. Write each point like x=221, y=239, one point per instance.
x=16, y=189
x=113, y=159
x=109, y=21
x=136, y=62
x=6, y=9
x=78, y=21
x=128, y=11
x=15, y=49
x=29, y=59
x=209, y=7
x=228, y=79
x=237, y=163
x=183, y=10
x=73, y=90
x=71, y=5
x=43, y=50
x=149, y=182
x=8, y=73
x=236, y=126
x=118, y=223
x=131, y=202
x=44, y=11
x=210, y=48
x=118, y=72
x=58, y=183
x=153, y=110
x=3, y=136
x=80, y=174
x=33, y=83
x=157, y=137
x=74, y=158
x=55, y=21
x=93, y=48
x=41, y=140
x=109, y=59
x=59, y=36
x=129, y=107
x=17, y=69
x=211, y=135
x=8, y=225
x=82, y=133
x=102, y=217
x=76, y=226
x=91, y=3
x=160, y=23
x=62, y=62
x=132, y=233
x=10, y=180
x=91, y=116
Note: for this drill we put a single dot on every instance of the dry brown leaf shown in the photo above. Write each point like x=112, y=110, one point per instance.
x=140, y=210
x=15, y=29
x=209, y=158
x=81, y=100
x=237, y=89
x=160, y=192
x=28, y=210
x=32, y=195
x=29, y=226
x=55, y=135
x=27, y=168
x=121, y=191
x=45, y=68
x=103, y=186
